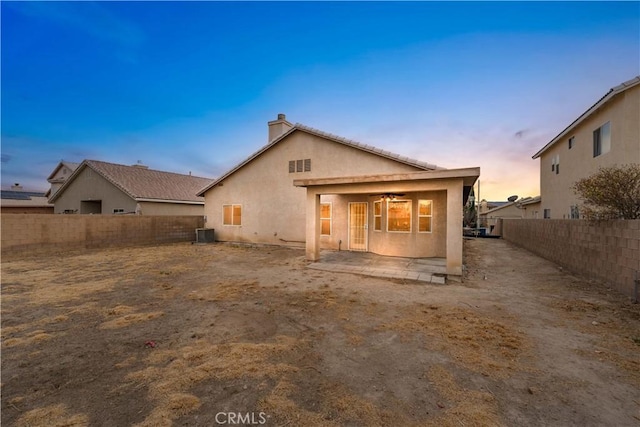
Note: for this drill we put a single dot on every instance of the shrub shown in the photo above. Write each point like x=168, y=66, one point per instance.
x=611, y=193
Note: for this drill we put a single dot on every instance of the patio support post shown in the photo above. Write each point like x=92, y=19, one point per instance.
x=313, y=226
x=454, y=228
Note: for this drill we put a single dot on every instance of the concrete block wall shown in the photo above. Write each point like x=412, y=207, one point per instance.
x=23, y=234
x=607, y=250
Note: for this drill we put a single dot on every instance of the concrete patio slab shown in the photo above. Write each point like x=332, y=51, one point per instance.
x=429, y=270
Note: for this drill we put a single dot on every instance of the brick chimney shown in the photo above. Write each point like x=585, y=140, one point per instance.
x=278, y=127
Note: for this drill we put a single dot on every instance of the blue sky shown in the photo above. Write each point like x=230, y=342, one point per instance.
x=190, y=86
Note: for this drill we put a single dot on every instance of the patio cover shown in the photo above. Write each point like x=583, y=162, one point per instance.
x=456, y=182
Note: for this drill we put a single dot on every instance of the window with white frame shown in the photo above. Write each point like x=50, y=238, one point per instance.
x=231, y=214
x=325, y=219
x=425, y=216
x=377, y=215
x=399, y=216
x=555, y=164
x=602, y=139
x=575, y=212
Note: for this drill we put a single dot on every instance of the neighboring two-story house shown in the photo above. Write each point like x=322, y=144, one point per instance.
x=607, y=134
x=308, y=187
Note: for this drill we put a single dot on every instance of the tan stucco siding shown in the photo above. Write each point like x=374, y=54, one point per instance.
x=578, y=162
x=273, y=209
x=155, y=208
x=413, y=244
x=89, y=185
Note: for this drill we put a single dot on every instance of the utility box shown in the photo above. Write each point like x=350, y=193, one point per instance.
x=204, y=235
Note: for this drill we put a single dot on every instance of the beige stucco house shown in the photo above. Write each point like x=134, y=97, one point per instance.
x=59, y=175
x=97, y=187
x=317, y=190
x=607, y=134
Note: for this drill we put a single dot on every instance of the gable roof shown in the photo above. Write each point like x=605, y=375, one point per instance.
x=72, y=166
x=143, y=184
x=331, y=137
x=601, y=102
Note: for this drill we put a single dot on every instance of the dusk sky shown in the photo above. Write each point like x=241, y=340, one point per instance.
x=189, y=86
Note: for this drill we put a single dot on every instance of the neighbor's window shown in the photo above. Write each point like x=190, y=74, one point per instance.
x=232, y=214
x=377, y=216
x=602, y=139
x=547, y=213
x=424, y=216
x=575, y=212
x=118, y=211
x=325, y=219
x=571, y=141
x=555, y=164
x=399, y=216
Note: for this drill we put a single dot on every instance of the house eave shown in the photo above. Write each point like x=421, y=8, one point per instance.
x=182, y=202
x=468, y=175
x=612, y=93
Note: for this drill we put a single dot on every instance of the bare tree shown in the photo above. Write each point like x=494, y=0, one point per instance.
x=611, y=193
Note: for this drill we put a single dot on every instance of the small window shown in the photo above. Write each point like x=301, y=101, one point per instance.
x=377, y=215
x=575, y=212
x=325, y=219
x=399, y=216
x=547, y=213
x=307, y=165
x=118, y=211
x=602, y=140
x=292, y=166
x=232, y=214
x=571, y=140
x=555, y=164
x=424, y=216
x=299, y=165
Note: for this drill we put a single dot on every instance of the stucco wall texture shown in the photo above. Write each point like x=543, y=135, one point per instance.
x=608, y=250
x=43, y=234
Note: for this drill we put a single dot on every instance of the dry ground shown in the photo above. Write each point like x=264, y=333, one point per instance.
x=175, y=334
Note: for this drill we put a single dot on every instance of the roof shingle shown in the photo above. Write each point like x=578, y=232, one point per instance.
x=139, y=182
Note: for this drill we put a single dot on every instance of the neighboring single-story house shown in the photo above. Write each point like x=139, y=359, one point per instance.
x=97, y=187
x=59, y=175
x=19, y=201
x=606, y=134
x=527, y=207
x=311, y=188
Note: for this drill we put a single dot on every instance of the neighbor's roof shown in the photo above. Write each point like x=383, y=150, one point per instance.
x=521, y=202
x=331, y=137
x=71, y=165
x=143, y=184
x=13, y=198
x=606, y=98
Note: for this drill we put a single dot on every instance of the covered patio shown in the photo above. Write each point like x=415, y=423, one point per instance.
x=450, y=186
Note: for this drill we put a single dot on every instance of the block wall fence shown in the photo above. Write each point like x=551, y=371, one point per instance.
x=25, y=234
x=606, y=250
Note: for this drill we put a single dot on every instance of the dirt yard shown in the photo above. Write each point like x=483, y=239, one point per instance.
x=205, y=335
